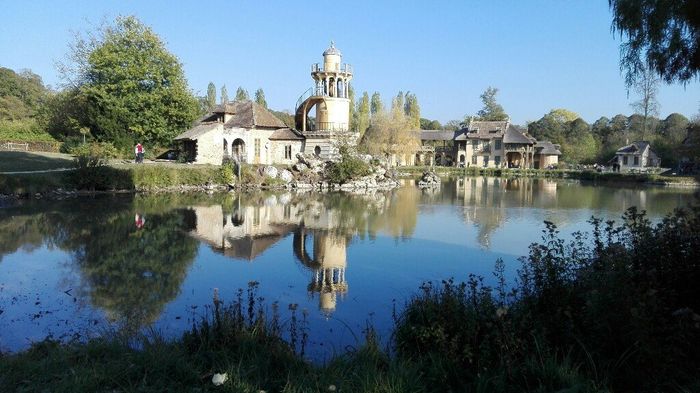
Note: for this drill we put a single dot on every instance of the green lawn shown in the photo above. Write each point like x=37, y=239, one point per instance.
x=17, y=161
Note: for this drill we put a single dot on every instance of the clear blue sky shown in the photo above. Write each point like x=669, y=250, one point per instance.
x=540, y=54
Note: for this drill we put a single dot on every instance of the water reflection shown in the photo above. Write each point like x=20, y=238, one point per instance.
x=323, y=225
x=128, y=268
x=136, y=260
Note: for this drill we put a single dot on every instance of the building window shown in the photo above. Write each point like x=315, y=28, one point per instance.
x=486, y=161
x=288, y=152
x=624, y=160
x=257, y=147
x=473, y=160
x=497, y=146
x=636, y=160
x=475, y=144
x=497, y=160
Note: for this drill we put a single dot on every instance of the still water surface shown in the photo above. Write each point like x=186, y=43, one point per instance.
x=80, y=267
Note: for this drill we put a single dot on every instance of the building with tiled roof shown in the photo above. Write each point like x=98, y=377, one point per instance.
x=488, y=144
x=242, y=131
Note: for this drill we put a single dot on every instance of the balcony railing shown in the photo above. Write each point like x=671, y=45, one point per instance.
x=330, y=126
x=344, y=68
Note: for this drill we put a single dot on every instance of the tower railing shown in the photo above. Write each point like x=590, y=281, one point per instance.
x=308, y=93
x=344, y=68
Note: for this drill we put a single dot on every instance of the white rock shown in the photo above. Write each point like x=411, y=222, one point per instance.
x=286, y=176
x=301, y=167
x=219, y=379
x=270, y=171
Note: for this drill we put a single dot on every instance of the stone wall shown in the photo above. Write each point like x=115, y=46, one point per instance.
x=210, y=147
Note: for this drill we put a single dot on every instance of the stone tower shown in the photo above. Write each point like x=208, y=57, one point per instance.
x=330, y=97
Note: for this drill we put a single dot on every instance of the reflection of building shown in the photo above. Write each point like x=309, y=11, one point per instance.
x=486, y=200
x=322, y=224
x=327, y=261
x=245, y=232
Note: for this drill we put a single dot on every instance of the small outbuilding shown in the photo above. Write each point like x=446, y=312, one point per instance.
x=546, y=155
x=636, y=156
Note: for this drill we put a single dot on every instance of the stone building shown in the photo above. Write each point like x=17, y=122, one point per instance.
x=243, y=131
x=247, y=132
x=636, y=156
x=487, y=144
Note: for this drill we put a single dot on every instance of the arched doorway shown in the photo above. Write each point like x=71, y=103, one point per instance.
x=226, y=151
x=462, y=160
x=514, y=159
x=317, y=150
x=238, y=150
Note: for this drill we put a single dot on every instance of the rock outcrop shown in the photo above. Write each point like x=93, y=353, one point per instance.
x=429, y=180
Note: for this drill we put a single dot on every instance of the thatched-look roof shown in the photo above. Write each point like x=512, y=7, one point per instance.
x=197, y=131
x=547, y=148
x=512, y=135
x=249, y=114
x=286, y=134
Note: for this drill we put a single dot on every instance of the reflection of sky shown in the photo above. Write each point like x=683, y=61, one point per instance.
x=34, y=301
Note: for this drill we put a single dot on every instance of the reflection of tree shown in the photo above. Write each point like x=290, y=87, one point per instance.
x=20, y=232
x=133, y=273
x=130, y=273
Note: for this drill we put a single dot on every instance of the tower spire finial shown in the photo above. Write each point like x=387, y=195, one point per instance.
x=332, y=44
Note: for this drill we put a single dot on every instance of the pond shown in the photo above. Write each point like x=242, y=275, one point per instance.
x=80, y=267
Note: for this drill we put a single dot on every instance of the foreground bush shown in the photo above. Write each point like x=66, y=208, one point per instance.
x=616, y=309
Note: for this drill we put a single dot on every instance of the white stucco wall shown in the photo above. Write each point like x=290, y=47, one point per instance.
x=277, y=151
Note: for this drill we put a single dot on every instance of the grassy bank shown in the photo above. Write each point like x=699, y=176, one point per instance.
x=615, y=311
x=145, y=177
x=560, y=174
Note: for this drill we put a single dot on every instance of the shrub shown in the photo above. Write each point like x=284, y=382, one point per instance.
x=618, y=307
x=227, y=173
x=349, y=167
x=27, y=130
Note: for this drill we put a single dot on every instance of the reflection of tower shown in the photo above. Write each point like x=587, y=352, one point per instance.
x=328, y=265
x=330, y=96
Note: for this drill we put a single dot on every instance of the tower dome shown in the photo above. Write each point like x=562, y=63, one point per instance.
x=332, y=50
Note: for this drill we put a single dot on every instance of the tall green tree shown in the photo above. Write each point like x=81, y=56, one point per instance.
x=492, y=111
x=352, y=115
x=242, y=94
x=658, y=34
x=397, y=102
x=376, y=105
x=412, y=110
x=134, y=89
x=566, y=128
x=224, y=95
x=363, y=113
x=21, y=94
x=211, y=97
x=260, y=97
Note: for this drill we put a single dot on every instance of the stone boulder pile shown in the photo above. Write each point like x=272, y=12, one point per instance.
x=429, y=180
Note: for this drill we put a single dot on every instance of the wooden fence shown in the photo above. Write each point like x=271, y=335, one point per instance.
x=30, y=146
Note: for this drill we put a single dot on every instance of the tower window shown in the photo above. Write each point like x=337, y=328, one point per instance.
x=288, y=152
